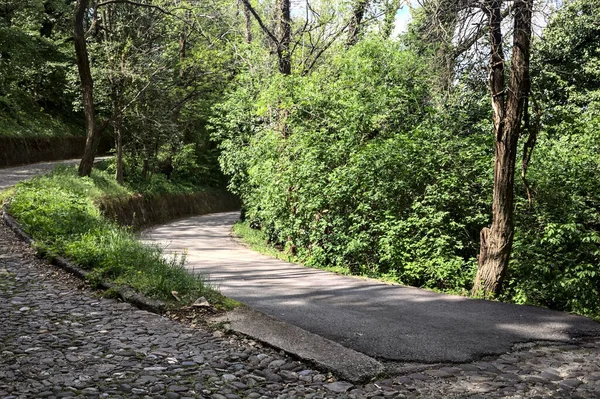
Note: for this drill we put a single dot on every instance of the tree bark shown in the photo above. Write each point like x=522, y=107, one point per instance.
x=283, y=47
x=358, y=13
x=85, y=76
x=248, y=17
x=117, y=123
x=118, y=127
x=507, y=103
x=391, y=9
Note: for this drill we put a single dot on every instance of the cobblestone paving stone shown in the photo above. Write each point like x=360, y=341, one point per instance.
x=59, y=339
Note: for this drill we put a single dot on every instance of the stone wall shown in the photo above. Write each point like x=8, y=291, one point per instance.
x=142, y=211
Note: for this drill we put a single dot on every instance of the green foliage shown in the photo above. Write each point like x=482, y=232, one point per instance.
x=566, y=64
x=557, y=240
x=556, y=250
x=187, y=176
x=342, y=168
x=35, y=65
x=58, y=211
x=358, y=167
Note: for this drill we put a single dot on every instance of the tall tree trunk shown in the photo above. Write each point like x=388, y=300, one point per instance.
x=496, y=241
x=360, y=6
x=83, y=65
x=285, y=28
x=118, y=127
x=117, y=122
x=248, y=17
x=391, y=9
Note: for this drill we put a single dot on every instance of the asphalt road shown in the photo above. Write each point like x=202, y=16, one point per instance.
x=385, y=321
x=11, y=176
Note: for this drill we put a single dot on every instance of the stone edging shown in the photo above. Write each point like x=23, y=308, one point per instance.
x=126, y=293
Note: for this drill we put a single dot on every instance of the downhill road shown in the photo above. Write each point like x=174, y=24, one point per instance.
x=384, y=321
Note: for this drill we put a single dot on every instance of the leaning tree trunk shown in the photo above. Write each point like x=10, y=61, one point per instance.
x=83, y=65
x=496, y=241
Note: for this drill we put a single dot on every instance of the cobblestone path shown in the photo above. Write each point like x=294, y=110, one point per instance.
x=60, y=339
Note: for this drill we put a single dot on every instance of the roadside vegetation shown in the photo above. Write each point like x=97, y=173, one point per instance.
x=35, y=99
x=460, y=155
x=380, y=163
x=59, y=212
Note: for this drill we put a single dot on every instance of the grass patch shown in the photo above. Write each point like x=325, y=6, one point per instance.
x=257, y=240
x=6, y=194
x=59, y=212
x=154, y=184
x=35, y=123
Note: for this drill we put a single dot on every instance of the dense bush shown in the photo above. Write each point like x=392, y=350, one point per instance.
x=346, y=168
x=350, y=167
x=557, y=243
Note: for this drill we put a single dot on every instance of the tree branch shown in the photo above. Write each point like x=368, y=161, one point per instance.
x=133, y=3
x=259, y=20
x=482, y=31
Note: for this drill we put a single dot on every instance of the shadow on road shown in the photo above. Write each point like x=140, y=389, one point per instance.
x=381, y=320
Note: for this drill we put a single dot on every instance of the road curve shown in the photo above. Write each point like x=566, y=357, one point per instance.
x=11, y=176
x=385, y=321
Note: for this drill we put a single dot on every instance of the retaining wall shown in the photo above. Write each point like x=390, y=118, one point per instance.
x=143, y=211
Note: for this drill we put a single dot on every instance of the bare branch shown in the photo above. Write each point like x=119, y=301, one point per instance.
x=480, y=32
x=134, y=3
x=260, y=22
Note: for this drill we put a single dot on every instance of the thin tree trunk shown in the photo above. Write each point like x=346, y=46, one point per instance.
x=284, y=26
x=283, y=48
x=358, y=13
x=83, y=66
x=146, y=163
x=118, y=126
x=496, y=241
x=117, y=122
x=182, y=53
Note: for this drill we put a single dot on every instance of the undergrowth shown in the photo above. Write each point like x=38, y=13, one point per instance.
x=58, y=211
x=258, y=241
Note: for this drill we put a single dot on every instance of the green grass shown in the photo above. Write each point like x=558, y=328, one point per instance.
x=257, y=241
x=155, y=184
x=59, y=212
x=36, y=123
x=6, y=194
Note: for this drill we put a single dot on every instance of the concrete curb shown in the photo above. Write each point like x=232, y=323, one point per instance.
x=346, y=363
x=124, y=292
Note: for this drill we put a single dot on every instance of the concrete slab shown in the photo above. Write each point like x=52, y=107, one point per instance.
x=344, y=362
